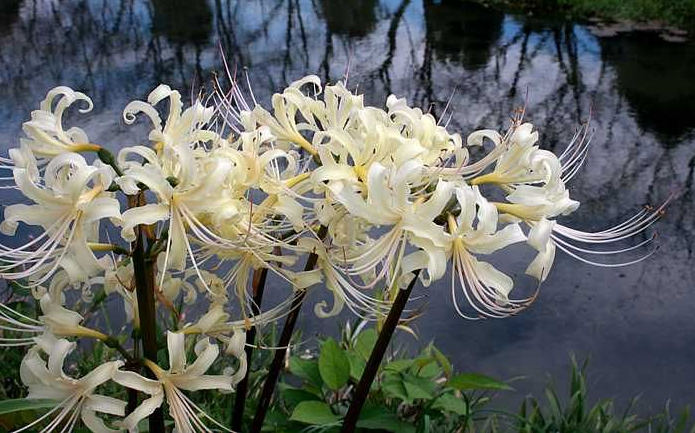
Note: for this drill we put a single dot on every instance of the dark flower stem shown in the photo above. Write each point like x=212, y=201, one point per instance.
x=285, y=337
x=259, y=279
x=359, y=397
x=144, y=270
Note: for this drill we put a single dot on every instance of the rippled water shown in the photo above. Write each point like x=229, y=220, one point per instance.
x=636, y=323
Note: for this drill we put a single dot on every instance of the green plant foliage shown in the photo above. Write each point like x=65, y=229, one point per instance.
x=675, y=12
x=420, y=393
x=476, y=381
x=334, y=365
x=411, y=394
x=315, y=413
x=576, y=415
x=17, y=412
x=374, y=418
x=365, y=343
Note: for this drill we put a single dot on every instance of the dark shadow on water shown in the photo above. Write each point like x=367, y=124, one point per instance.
x=9, y=12
x=182, y=21
x=462, y=32
x=658, y=80
x=351, y=18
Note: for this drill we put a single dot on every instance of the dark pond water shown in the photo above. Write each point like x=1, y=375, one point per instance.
x=636, y=323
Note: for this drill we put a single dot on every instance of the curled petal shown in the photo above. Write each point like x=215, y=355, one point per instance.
x=147, y=214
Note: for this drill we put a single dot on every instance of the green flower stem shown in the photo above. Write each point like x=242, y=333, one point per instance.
x=107, y=158
x=359, y=397
x=113, y=343
x=285, y=337
x=259, y=278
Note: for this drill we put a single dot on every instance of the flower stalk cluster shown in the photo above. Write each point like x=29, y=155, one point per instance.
x=373, y=199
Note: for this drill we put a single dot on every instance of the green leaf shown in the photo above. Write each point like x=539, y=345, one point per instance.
x=144, y=425
x=376, y=418
x=417, y=387
x=18, y=289
x=476, y=381
x=357, y=365
x=442, y=360
x=22, y=404
x=365, y=343
x=334, y=365
x=306, y=369
x=17, y=413
x=294, y=396
x=314, y=412
x=430, y=370
x=393, y=387
x=399, y=365
x=450, y=403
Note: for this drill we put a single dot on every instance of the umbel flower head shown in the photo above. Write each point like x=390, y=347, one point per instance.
x=221, y=192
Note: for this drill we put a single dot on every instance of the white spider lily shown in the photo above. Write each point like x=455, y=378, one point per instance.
x=187, y=200
x=76, y=398
x=539, y=237
x=522, y=162
x=178, y=205
x=15, y=322
x=373, y=138
x=186, y=414
x=425, y=129
x=343, y=289
x=339, y=107
x=286, y=106
x=547, y=235
x=257, y=162
x=119, y=278
x=55, y=320
x=182, y=128
x=474, y=232
x=541, y=200
x=45, y=135
x=63, y=322
x=390, y=202
x=576, y=152
x=69, y=202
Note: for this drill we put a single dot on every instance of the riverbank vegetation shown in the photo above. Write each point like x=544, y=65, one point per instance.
x=419, y=392
x=679, y=13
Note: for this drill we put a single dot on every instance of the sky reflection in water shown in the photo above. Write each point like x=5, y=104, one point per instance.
x=636, y=323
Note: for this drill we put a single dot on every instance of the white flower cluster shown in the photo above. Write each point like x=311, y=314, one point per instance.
x=377, y=195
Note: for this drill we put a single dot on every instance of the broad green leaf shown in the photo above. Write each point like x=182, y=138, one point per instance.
x=416, y=389
x=294, y=396
x=20, y=412
x=365, y=343
x=430, y=370
x=357, y=365
x=306, y=369
x=334, y=365
x=22, y=404
x=314, y=413
x=399, y=365
x=426, y=384
x=476, y=381
x=393, y=387
x=376, y=418
x=450, y=403
x=276, y=421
